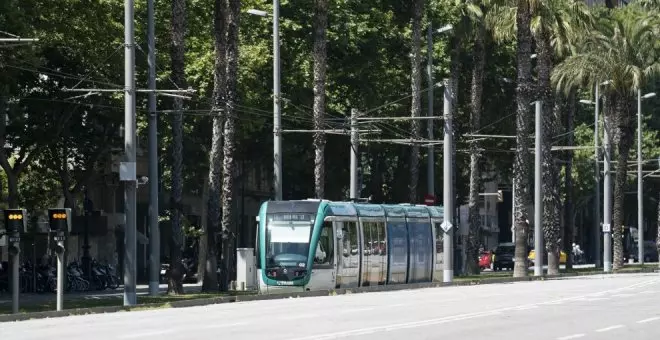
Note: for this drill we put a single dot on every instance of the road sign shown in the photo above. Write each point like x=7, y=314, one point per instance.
x=13, y=239
x=59, y=238
x=429, y=199
x=446, y=225
x=607, y=228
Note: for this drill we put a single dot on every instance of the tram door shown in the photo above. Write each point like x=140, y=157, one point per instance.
x=348, y=254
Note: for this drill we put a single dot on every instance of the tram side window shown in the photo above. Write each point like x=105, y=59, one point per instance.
x=325, y=252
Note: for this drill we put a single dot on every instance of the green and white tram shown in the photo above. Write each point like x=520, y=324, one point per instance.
x=319, y=244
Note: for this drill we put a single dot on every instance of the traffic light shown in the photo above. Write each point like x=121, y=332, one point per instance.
x=500, y=197
x=15, y=220
x=59, y=248
x=59, y=219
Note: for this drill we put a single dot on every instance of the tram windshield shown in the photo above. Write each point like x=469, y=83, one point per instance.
x=287, y=240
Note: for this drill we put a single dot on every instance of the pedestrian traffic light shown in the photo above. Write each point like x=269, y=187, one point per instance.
x=15, y=220
x=500, y=197
x=13, y=249
x=59, y=219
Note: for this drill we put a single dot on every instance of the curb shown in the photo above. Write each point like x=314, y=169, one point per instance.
x=341, y=291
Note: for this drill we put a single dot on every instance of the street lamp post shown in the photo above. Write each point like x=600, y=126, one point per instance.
x=277, y=114
x=640, y=187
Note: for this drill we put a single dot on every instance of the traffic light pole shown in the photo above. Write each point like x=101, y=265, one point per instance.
x=60, y=277
x=15, y=289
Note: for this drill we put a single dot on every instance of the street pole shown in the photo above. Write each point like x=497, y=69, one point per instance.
x=277, y=116
x=15, y=276
x=513, y=209
x=640, y=198
x=430, y=173
x=607, y=201
x=129, y=148
x=154, y=232
x=354, y=156
x=538, y=195
x=597, y=258
x=447, y=188
x=60, y=275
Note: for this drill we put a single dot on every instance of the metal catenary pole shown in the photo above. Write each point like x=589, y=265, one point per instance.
x=538, y=194
x=354, y=157
x=640, y=198
x=596, y=239
x=448, y=192
x=607, y=201
x=130, y=155
x=277, y=115
x=154, y=231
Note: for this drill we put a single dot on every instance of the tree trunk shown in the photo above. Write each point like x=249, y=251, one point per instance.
x=12, y=189
x=479, y=58
x=210, y=282
x=203, y=248
x=175, y=285
x=624, y=140
x=569, y=225
x=657, y=240
x=550, y=171
x=229, y=229
x=416, y=107
x=320, y=65
x=521, y=166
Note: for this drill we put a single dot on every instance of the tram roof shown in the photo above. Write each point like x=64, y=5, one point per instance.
x=381, y=210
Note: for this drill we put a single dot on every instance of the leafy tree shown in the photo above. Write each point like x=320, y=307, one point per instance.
x=623, y=50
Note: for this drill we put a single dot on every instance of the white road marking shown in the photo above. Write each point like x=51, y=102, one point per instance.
x=226, y=325
x=649, y=319
x=356, y=310
x=300, y=316
x=568, y=337
x=623, y=295
x=606, y=329
x=146, y=334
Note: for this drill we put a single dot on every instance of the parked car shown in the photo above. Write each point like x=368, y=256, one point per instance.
x=504, y=256
x=532, y=255
x=650, y=252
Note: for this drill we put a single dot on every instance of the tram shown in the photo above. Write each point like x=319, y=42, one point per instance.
x=319, y=244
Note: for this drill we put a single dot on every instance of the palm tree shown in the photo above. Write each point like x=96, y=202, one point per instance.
x=210, y=279
x=416, y=108
x=228, y=232
x=320, y=65
x=554, y=23
x=179, y=78
x=622, y=49
x=476, y=92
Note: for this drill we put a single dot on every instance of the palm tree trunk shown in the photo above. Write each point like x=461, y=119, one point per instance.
x=229, y=228
x=550, y=171
x=416, y=107
x=175, y=285
x=569, y=225
x=479, y=59
x=624, y=140
x=657, y=240
x=210, y=282
x=320, y=65
x=521, y=165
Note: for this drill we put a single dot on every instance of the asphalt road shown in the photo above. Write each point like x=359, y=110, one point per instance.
x=594, y=307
